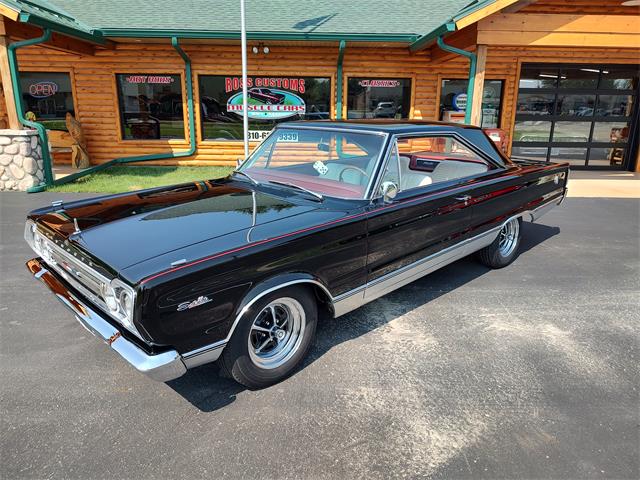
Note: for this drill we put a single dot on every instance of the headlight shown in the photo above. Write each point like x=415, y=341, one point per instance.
x=29, y=234
x=120, y=300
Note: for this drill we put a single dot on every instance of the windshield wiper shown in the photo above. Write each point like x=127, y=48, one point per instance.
x=298, y=187
x=246, y=175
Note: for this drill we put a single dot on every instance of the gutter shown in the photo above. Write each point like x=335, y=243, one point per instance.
x=92, y=37
x=339, y=74
x=155, y=156
x=426, y=39
x=232, y=35
x=17, y=96
x=472, y=74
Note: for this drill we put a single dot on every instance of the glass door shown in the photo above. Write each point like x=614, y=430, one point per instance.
x=580, y=114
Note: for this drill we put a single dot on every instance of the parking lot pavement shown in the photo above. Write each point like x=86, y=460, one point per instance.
x=530, y=371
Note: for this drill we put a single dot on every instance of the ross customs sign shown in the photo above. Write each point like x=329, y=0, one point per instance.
x=266, y=102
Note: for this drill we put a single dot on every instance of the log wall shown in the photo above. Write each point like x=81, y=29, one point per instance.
x=95, y=95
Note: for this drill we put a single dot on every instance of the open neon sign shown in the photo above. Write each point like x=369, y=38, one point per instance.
x=43, y=89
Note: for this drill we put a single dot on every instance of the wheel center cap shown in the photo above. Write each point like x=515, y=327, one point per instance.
x=280, y=334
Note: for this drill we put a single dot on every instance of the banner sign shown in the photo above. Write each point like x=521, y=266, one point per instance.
x=43, y=89
x=232, y=84
x=266, y=102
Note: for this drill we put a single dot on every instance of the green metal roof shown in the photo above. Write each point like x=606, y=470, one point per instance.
x=357, y=20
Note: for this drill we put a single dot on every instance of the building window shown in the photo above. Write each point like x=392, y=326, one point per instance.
x=151, y=106
x=270, y=100
x=453, y=102
x=378, y=97
x=48, y=96
x=581, y=114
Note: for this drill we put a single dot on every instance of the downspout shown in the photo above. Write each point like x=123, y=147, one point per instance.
x=339, y=80
x=472, y=74
x=155, y=156
x=17, y=96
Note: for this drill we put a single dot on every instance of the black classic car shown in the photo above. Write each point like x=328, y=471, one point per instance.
x=323, y=217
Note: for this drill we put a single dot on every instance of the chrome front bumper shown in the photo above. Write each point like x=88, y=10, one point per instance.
x=162, y=367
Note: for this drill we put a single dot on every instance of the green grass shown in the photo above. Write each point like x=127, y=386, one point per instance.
x=126, y=179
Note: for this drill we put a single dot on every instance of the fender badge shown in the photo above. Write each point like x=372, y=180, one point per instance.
x=195, y=303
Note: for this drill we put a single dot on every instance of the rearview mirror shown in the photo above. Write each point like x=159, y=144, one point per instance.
x=389, y=191
x=324, y=147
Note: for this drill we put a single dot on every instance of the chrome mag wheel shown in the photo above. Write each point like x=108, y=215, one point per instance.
x=276, y=333
x=508, y=238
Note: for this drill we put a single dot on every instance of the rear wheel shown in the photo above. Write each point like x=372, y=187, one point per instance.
x=271, y=338
x=504, y=248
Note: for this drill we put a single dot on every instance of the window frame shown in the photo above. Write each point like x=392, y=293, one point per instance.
x=71, y=72
x=376, y=76
x=116, y=102
x=502, y=120
x=375, y=194
x=555, y=117
x=211, y=72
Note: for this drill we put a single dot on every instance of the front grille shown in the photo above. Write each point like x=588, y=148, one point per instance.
x=82, y=277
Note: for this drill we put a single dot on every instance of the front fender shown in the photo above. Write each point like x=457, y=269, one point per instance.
x=275, y=283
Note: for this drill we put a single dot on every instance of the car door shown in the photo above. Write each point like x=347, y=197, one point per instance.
x=423, y=226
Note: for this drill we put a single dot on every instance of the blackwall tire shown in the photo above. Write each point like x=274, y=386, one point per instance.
x=272, y=338
x=504, y=248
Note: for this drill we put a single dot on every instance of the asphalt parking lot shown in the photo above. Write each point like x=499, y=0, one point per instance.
x=531, y=371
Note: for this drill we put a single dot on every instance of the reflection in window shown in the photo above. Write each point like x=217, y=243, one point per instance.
x=453, y=101
x=578, y=105
x=271, y=100
x=571, y=131
x=535, y=103
x=615, y=105
x=378, y=97
x=533, y=153
x=151, y=106
x=576, y=156
x=606, y=157
x=579, y=77
x=531, y=131
x=539, y=77
x=610, y=132
x=48, y=96
x=619, y=77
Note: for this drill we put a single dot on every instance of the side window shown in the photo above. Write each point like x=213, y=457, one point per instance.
x=427, y=160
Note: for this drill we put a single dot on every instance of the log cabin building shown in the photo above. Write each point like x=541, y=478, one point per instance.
x=162, y=79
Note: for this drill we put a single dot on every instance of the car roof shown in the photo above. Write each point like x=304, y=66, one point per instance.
x=381, y=125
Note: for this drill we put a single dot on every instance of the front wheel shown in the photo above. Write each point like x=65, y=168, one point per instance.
x=504, y=248
x=271, y=338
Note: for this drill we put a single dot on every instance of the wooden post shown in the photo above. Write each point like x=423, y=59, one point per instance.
x=478, y=89
x=7, y=86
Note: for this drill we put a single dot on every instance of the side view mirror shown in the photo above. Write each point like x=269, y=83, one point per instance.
x=389, y=191
x=239, y=162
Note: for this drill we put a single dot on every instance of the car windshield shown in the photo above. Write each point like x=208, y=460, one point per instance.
x=325, y=161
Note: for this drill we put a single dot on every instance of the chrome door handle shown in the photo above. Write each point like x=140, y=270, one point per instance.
x=463, y=198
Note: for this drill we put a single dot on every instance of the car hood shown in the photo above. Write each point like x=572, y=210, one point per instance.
x=124, y=230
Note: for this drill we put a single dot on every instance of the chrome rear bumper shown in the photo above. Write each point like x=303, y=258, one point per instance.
x=162, y=367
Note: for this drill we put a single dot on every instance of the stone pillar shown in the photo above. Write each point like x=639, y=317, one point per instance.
x=21, y=163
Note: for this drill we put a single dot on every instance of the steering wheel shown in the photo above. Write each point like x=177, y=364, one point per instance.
x=351, y=167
